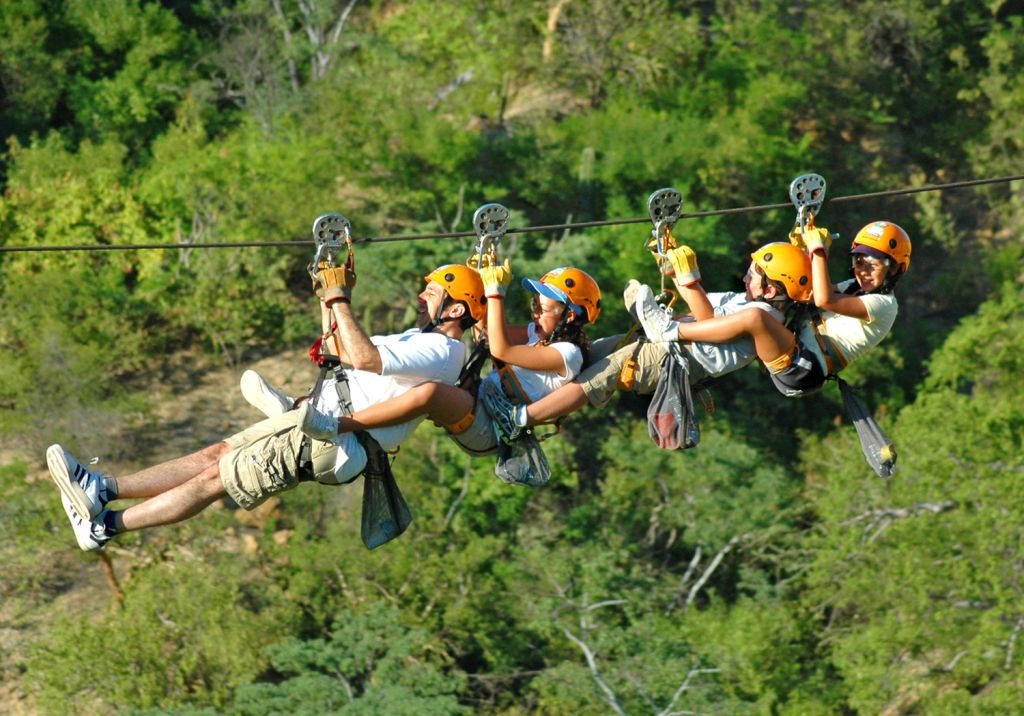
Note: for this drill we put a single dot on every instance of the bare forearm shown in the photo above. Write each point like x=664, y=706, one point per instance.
x=697, y=301
x=359, y=350
x=820, y=281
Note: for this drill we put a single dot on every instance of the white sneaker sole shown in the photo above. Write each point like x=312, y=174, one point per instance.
x=68, y=487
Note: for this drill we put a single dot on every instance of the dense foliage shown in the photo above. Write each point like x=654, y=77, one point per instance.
x=768, y=570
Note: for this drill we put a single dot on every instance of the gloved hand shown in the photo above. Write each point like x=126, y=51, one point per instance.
x=317, y=289
x=683, y=261
x=477, y=262
x=336, y=283
x=817, y=239
x=496, y=279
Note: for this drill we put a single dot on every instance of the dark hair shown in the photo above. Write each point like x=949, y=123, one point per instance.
x=782, y=298
x=574, y=332
x=467, y=321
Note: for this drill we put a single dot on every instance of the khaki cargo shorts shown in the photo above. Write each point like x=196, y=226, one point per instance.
x=601, y=378
x=264, y=460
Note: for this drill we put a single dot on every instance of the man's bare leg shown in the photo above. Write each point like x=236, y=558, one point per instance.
x=161, y=478
x=177, y=504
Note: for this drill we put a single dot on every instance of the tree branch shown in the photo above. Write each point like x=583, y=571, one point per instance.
x=710, y=570
x=609, y=695
x=1013, y=642
x=461, y=496
x=690, y=569
x=667, y=711
x=880, y=518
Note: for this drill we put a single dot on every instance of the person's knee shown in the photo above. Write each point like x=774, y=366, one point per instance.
x=210, y=482
x=754, y=320
x=215, y=452
x=423, y=395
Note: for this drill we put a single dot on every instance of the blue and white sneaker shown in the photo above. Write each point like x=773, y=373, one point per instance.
x=655, y=319
x=91, y=534
x=503, y=412
x=86, y=490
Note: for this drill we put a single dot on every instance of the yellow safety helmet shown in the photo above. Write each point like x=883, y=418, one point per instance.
x=462, y=284
x=573, y=287
x=884, y=239
x=787, y=264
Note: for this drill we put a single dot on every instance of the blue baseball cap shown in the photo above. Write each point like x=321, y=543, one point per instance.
x=555, y=294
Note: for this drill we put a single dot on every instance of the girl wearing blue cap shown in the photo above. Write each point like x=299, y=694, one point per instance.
x=530, y=360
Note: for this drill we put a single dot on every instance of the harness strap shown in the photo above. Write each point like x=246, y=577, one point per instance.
x=834, y=359
x=510, y=384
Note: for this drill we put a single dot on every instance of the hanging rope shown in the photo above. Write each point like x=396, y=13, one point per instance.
x=525, y=230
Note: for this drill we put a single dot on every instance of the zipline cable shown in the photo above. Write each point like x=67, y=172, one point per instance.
x=524, y=230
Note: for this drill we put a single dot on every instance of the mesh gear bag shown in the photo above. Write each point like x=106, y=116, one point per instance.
x=671, y=420
x=385, y=513
x=878, y=449
x=522, y=461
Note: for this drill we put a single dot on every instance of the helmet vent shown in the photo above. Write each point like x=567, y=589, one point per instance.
x=449, y=276
x=569, y=283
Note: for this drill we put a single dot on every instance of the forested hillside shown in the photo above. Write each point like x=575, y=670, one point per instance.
x=768, y=570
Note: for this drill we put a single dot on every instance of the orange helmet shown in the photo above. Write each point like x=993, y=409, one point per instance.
x=462, y=284
x=787, y=264
x=884, y=237
x=573, y=287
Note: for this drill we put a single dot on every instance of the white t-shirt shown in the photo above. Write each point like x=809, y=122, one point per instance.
x=721, y=358
x=407, y=359
x=537, y=384
x=852, y=336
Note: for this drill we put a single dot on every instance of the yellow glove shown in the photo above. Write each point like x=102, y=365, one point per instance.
x=796, y=238
x=476, y=261
x=818, y=239
x=336, y=284
x=496, y=279
x=683, y=261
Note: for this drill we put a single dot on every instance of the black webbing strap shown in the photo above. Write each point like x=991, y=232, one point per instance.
x=328, y=364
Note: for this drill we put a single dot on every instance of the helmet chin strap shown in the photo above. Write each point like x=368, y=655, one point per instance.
x=439, y=319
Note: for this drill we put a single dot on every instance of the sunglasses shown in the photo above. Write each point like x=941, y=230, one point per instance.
x=539, y=310
x=871, y=264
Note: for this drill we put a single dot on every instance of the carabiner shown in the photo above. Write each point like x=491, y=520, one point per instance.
x=664, y=207
x=331, y=231
x=807, y=192
x=490, y=222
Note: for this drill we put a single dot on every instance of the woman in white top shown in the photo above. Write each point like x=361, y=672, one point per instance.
x=851, y=318
x=530, y=360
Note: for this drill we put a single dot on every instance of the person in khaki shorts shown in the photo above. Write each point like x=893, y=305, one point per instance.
x=597, y=383
x=266, y=458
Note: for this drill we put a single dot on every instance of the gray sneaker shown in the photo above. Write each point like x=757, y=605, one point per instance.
x=86, y=490
x=502, y=411
x=629, y=296
x=263, y=396
x=317, y=425
x=656, y=320
x=91, y=534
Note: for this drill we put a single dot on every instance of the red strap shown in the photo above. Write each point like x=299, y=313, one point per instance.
x=316, y=354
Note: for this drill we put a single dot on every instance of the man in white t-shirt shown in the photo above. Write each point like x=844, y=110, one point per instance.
x=274, y=455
